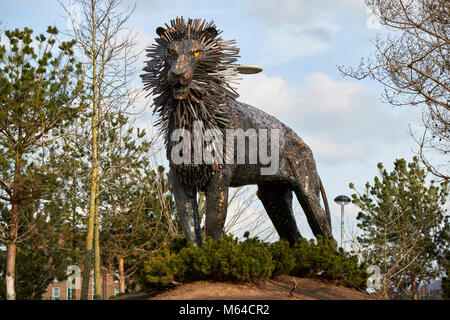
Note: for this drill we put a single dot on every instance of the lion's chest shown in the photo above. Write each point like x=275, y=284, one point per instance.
x=192, y=159
x=194, y=176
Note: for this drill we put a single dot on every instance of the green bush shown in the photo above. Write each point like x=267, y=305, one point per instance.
x=323, y=260
x=251, y=260
x=223, y=260
x=283, y=257
x=445, y=284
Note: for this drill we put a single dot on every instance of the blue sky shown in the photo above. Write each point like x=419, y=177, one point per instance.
x=299, y=44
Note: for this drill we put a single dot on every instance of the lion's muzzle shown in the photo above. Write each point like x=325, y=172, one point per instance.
x=180, y=76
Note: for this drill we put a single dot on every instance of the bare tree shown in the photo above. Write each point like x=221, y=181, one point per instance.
x=412, y=64
x=246, y=217
x=107, y=47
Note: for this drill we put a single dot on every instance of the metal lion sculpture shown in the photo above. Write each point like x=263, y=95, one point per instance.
x=189, y=75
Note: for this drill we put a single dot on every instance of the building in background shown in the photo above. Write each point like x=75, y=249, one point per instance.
x=59, y=290
x=432, y=290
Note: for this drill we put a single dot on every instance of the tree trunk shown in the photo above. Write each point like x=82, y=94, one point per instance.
x=11, y=254
x=86, y=274
x=97, y=264
x=94, y=173
x=413, y=285
x=121, y=275
x=10, y=277
x=91, y=222
x=10, y=272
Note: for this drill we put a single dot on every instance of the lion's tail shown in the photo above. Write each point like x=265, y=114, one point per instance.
x=325, y=201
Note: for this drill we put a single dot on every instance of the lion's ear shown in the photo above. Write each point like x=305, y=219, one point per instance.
x=210, y=32
x=160, y=31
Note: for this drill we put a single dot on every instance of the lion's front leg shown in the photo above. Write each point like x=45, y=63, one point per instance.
x=216, y=205
x=187, y=209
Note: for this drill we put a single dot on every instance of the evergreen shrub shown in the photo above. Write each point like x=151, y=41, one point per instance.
x=251, y=260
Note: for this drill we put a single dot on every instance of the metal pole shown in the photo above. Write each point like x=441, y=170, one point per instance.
x=342, y=226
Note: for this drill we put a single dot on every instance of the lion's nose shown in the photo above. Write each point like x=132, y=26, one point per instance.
x=180, y=78
x=180, y=72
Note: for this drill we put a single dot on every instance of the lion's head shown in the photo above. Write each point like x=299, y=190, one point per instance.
x=189, y=74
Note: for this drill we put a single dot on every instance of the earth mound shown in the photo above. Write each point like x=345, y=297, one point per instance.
x=282, y=287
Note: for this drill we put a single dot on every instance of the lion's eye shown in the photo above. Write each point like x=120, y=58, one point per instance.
x=197, y=53
x=171, y=51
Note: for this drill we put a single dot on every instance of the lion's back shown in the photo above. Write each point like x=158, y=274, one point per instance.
x=245, y=116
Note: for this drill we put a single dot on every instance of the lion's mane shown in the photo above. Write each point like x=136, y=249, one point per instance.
x=210, y=87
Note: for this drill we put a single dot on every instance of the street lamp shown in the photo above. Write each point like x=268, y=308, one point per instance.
x=342, y=201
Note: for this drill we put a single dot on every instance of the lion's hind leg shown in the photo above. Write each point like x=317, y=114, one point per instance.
x=277, y=200
x=306, y=186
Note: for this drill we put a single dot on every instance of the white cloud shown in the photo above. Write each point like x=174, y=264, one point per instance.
x=302, y=11
x=320, y=94
x=323, y=94
x=269, y=93
x=286, y=42
x=299, y=28
x=326, y=149
x=142, y=40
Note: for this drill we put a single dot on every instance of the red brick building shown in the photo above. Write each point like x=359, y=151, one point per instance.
x=58, y=290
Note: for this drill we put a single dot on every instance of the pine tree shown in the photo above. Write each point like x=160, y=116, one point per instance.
x=136, y=204
x=446, y=280
x=40, y=82
x=402, y=218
